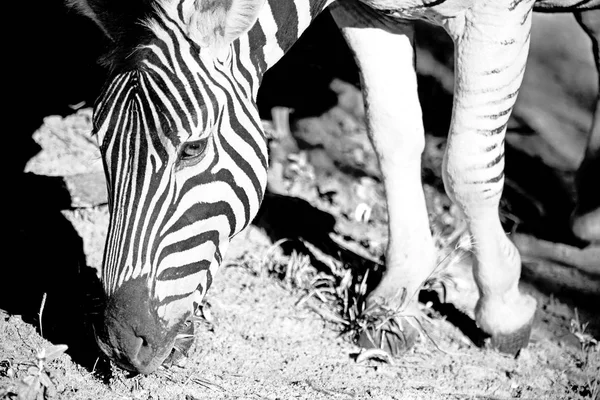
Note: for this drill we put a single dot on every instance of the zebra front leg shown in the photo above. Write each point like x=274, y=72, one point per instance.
x=385, y=56
x=492, y=43
x=586, y=217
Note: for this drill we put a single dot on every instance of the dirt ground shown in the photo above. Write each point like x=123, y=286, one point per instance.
x=274, y=324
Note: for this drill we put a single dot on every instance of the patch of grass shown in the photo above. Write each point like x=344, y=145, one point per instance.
x=338, y=290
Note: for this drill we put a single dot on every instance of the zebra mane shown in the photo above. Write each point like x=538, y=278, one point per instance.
x=124, y=22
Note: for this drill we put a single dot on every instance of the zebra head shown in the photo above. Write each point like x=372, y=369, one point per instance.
x=185, y=160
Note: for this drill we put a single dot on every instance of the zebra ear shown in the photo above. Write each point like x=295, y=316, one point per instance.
x=215, y=24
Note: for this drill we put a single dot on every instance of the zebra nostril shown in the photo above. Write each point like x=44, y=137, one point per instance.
x=145, y=351
x=144, y=341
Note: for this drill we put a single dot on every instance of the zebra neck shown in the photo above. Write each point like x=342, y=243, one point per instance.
x=279, y=26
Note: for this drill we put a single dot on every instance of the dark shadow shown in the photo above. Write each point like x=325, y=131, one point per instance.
x=49, y=276
x=436, y=104
x=436, y=41
x=52, y=66
x=456, y=317
x=291, y=217
x=287, y=217
x=53, y=69
x=539, y=196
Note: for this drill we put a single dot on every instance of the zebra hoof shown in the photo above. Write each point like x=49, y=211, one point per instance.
x=395, y=336
x=183, y=343
x=512, y=343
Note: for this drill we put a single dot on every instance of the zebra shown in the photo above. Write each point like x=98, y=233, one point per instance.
x=186, y=157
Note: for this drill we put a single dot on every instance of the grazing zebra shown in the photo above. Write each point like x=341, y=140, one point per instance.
x=186, y=158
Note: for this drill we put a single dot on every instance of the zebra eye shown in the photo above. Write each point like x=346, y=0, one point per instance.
x=192, y=150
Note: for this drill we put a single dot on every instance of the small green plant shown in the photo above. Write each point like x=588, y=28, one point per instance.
x=37, y=384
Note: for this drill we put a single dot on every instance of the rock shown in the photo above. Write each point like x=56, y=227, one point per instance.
x=70, y=151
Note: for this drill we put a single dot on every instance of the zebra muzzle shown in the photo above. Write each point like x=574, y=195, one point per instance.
x=131, y=333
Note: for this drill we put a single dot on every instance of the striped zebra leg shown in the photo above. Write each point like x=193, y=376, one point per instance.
x=492, y=43
x=385, y=55
x=586, y=217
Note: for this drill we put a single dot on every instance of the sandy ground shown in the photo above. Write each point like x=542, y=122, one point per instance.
x=266, y=332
